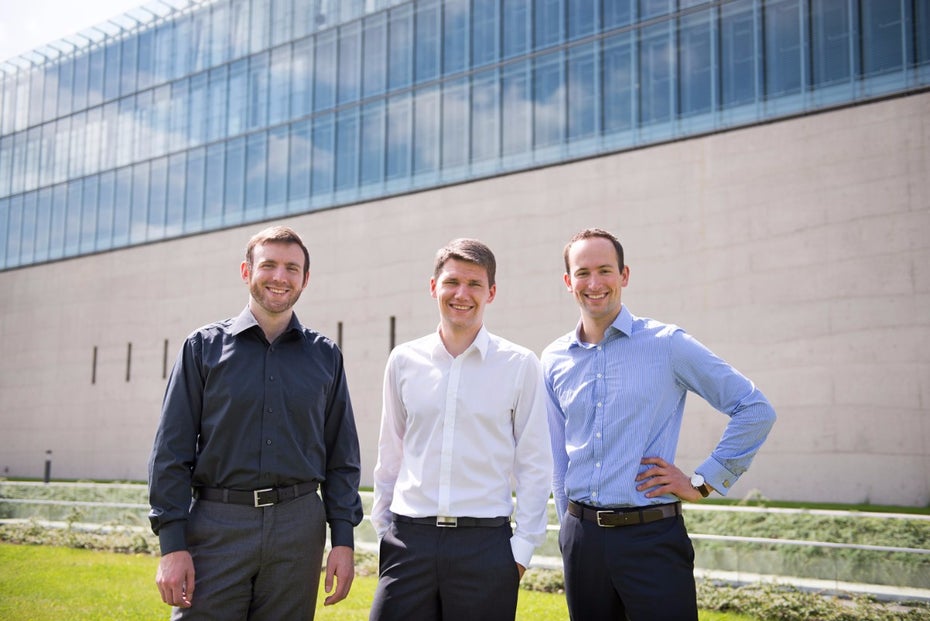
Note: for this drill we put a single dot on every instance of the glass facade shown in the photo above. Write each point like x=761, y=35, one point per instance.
x=226, y=112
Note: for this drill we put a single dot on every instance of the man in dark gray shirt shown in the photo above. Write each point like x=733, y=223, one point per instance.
x=256, y=417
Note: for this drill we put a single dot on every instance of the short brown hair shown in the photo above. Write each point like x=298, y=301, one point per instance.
x=589, y=234
x=470, y=251
x=277, y=235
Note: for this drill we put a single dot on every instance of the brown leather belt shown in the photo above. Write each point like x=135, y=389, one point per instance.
x=627, y=516
x=264, y=497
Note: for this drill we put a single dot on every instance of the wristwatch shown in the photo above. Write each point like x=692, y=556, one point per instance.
x=697, y=482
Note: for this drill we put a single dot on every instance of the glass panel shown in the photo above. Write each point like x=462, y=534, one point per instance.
x=216, y=103
x=213, y=184
x=28, y=235
x=399, y=137
x=179, y=115
x=619, y=81
x=276, y=199
x=347, y=132
x=302, y=79
x=373, y=143
x=72, y=243
x=258, y=91
x=6, y=163
x=426, y=130
x=49, y=99
x=161, y=120
x=455, y=35
x=47, y=154
x=485, y=116
x=656, y=71
x=79, y=101
x=91, y=146
x=282, y=15
x=654, y=8
x=549, y=28
x=238, y=97
x=738, y=58
x=94, y=78
x=429, y=32
x=322, y=162
x=922, y=30
x=234, y=194
x=219, y=33
x=197, y=132
x=158, y=198
x=324, y=78
x=193, y=203
x=239, y=28
x=182, y=48
x=485, y=46
x=455, y=123
x=782, y=48
x=127, y=82
x=516, y=32
x=164, y=53
x=59, y=211
x=19, y=158
x=138, y=221
x=105, y=205
x=256, y=159
x=375, y=55
x=400, y=43
x=549, y=100
x=122, y=207
x=350, y=69
x=830, y=45
x=65, y=86
x=583, y=95
x=260, y=30
x=298, y=183
x=177, y=174
x=517, y=108
x=618, y=13
x=33, y=146
x=146, y=65
x=582, y=18
x=279, y=97
x=696, y=79
x=11, y=215
x=62, y=141
x=200, y=40
x=76, y=151
x=882, y=36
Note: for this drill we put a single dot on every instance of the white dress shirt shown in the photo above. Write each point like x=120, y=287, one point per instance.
x=460, y=434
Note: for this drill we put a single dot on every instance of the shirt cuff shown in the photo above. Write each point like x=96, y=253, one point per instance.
x=171, y=537
x=717, y=476
x=522, y=550
x=341, y=533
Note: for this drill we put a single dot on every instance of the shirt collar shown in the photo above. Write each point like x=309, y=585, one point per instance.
x=622, y=324
x=246, y=320
x=481, y=344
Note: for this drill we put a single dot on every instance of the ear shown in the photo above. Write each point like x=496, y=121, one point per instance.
x=244, y=271
x=491, y=293
x=306, y=279
x=432, y=287
x=568, y=281
x=625, y=276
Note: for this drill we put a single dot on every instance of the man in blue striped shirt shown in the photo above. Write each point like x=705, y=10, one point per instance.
x=617, y=385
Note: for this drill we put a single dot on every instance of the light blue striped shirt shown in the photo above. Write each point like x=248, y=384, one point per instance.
x=616, y=402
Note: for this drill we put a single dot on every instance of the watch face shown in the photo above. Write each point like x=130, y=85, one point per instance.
x=697, y=480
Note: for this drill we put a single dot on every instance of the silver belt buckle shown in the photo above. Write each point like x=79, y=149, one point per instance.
x=604, y=513
x=444, y=521
x=256, y=493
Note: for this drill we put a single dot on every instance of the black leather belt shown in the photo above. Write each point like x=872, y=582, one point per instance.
x=444, y=521
x=257, y=497
x=627, y=516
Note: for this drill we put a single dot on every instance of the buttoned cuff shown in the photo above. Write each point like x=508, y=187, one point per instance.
x=341, y=534
x=718, y=477
x=522, y=550
x=171, y=537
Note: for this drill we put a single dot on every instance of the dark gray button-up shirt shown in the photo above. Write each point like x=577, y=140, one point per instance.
x=243, y=414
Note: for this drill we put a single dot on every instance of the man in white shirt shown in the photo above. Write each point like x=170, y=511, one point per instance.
x=463, y=426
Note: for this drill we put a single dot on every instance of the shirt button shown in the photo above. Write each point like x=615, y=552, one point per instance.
x=600, y=375
x=270, y=410
x=271, y=378
x=597, y=465
x=593, y=494
x=268, y=442
x=597, y=435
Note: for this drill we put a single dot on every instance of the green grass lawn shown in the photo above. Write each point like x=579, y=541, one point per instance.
x=46, y=583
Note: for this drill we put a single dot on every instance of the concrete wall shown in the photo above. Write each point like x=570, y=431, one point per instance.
x=798, y=250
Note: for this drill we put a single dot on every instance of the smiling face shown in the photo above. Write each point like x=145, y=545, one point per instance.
x=462, y=291
x=275, y=277
x=595, y=278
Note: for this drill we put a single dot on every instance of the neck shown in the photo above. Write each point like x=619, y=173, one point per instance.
x=457, y=341
x=273, y=325
x=593, y=330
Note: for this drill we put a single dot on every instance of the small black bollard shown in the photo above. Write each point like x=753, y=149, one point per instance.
x=48, y=467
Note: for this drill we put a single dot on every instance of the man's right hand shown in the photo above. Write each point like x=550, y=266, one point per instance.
x=175, y=578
